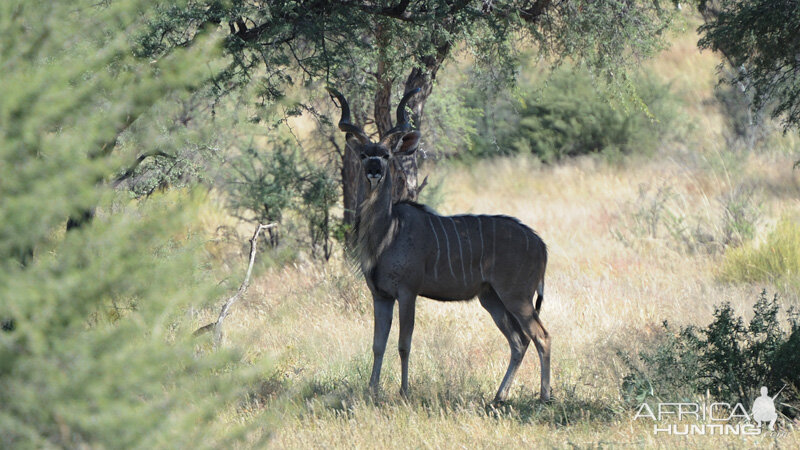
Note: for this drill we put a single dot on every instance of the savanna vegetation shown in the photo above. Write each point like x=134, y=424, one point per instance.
x=652, y=147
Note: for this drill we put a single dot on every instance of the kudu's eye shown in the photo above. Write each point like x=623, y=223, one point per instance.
x=362, y=156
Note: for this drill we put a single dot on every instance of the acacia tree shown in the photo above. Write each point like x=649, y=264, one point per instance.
x=382, y=48
x=760, y=39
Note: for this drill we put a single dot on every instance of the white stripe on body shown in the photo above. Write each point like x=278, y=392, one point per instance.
x=435, y=235
x=447, y=241
x=460, y=252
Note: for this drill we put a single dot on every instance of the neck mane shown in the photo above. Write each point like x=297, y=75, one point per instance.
x=375, y=226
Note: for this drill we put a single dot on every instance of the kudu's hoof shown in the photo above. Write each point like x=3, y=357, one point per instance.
x=373, y=391
x=498, y=403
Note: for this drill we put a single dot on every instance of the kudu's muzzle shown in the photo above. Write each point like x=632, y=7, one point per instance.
x=373, y=169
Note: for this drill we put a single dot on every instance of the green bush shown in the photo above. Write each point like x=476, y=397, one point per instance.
x=94, y=347
x=776, y=260
x=264, y=185
x=564, y=114
x=728, y=359
x=569, y=117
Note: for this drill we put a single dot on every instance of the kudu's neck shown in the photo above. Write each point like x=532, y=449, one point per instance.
x=377, y=207
x=376, y=228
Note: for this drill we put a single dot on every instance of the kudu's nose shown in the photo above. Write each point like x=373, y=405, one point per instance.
x=373, y=170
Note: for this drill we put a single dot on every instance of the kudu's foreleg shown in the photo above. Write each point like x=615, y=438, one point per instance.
x=406, y=306
x=383, y=323
x=517, y=340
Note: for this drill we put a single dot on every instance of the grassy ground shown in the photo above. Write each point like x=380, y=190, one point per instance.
x=631, y=244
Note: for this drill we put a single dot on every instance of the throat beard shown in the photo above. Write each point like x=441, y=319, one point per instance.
x=375, y=228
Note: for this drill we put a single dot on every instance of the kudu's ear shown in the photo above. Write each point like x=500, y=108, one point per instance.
x=407, y=144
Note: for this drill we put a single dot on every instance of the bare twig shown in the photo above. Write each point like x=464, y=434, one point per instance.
x=217, y=326
x=422, y=185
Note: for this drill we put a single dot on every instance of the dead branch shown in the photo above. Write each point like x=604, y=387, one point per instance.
x=217, y=326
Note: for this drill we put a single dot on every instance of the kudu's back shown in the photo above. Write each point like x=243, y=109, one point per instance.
x=455, y=257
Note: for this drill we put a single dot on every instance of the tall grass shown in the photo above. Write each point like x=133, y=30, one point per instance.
x=603, y=295
x=776, y=260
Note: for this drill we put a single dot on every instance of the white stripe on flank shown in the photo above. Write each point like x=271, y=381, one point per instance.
x=494, y=242
x=435, y=235
x=447, y=241
x=460, y=252
x=480, y=233
x=469, y=246
x=526, y=239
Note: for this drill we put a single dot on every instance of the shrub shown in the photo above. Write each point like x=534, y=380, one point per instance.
x=320, y=193
x=262, y=186
x=728, y=359
x=660, y=214
x=565, y=115
x=94, y=347
x=739, y=217
x=775, y=260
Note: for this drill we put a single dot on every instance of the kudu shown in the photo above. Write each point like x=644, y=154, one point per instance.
x=406, y=249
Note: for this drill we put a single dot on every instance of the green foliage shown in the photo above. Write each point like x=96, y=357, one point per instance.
x=759, y=39
x=286, y=43
x=262, y=186
x=450, y=127
x=93, y=352
x=265, y=184
x=176, y=145
x=776, y=260
x=728, y=359
x=569, y=118
x=320, y=195
x=740, y=217
x=564, y=114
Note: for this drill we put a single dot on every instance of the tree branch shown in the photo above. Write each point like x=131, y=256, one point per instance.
x=217, y=326
x=252, y=34
x=533, y=13
x=398, y=11
x=130, y=170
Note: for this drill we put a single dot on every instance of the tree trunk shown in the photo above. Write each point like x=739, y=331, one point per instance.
x=405, y=169
x=352, y=189
x=81, y=219
x=407, y=187
x=383, y=99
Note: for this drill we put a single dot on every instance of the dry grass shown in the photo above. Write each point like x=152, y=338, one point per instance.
x=608, y=288
x=603, y=295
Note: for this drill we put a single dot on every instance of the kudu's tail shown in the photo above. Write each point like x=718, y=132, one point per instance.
x=539, y=295
x=540, y=286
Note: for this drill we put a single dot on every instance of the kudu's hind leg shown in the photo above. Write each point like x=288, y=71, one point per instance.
x=407, y=303
x=517, y=340
x=522, y=309
x=383, y=323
